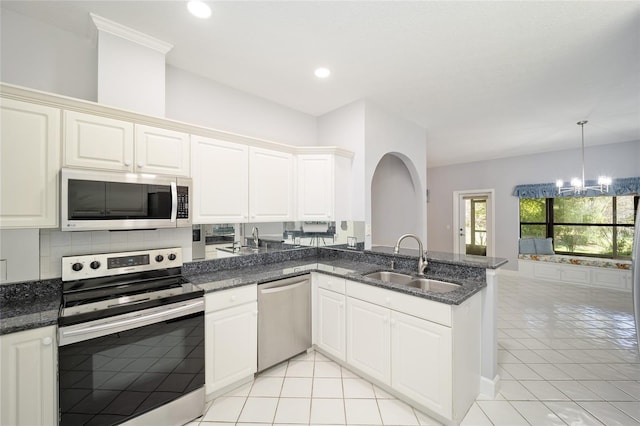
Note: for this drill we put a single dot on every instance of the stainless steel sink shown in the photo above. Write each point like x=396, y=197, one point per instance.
x=432, y=285
x=390, y=277
x=410, y=281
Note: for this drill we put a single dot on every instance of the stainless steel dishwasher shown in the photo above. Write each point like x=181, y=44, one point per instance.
x=284, y=320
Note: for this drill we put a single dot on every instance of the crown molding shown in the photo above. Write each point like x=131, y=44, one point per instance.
x=119, y=30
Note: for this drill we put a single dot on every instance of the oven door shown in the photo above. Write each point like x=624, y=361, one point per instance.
x=115, y=369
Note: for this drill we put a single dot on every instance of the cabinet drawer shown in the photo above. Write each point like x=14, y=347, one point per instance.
x=411, y=305
x=232, y=297
x=329, y=282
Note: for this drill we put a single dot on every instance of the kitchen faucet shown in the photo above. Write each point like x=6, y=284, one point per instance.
x=254, y=233
x=422, y=260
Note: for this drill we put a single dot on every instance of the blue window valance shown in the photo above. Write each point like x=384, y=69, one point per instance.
x=621, y=186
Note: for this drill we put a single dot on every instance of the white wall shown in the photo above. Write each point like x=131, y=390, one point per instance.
x=615, y=160
x=43, y=57
x=344, y=127
x=130, y=75
x=19, y=255
x=198, y=100
x=394, y=203
x=385, y=133
x=37, y=55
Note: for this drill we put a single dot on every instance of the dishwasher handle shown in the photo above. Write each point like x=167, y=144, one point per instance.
x=280, y=287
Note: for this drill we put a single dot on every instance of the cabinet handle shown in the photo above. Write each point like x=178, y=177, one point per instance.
x=388, y=301
x=140, y=165
x=127, y=163
x=46, y=341
x=233, y=298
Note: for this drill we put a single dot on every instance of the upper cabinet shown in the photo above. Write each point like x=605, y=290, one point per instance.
x=270, y=185
x=162, y=151
x=105, y=143
x=233, y=182
x=323, y=187
x=29, y=165
x=97, y=142
x=220, y=181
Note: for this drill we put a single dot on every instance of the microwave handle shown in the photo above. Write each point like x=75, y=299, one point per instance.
x=174, y=201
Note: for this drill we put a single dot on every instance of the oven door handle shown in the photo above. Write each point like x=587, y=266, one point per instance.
x=72, y=334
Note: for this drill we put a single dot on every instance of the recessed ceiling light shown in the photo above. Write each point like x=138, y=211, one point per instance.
x=199, y=9
x=322, y=72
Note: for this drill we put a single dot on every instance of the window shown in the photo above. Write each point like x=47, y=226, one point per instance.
x=588, y=226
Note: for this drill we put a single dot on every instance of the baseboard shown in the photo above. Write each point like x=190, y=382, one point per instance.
x=490, y=388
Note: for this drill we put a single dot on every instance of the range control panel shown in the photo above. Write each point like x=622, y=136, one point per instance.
x=106, y=264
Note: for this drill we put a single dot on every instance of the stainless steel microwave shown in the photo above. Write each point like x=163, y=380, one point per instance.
x=100, y=200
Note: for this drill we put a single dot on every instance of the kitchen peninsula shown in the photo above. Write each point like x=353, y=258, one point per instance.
x=446, y=321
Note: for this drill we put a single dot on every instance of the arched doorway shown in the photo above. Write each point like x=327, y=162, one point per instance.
x=396, y=202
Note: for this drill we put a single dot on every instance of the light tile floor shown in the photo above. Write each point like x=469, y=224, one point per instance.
x=567, y=355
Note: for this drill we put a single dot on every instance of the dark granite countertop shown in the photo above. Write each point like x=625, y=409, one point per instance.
x=451, y=258
x=29, y=305
x=36, y=304
x=351, y=270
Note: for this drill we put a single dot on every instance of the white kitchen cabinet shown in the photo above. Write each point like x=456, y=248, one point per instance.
x=220, y=181
x=29, y=165
x=323, y=187
x=368, y=339
x=97, y=142
x=235, y=183
x=421, y=361
x=231, y=337
x=270, y=185
x=28, y=373
x=162, y=151
x=425, y=351
x=330, y=326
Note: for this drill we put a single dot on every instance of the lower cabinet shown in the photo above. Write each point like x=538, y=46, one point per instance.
x=28, y=378
x=231, y=337
x=331, y=323
x=425, y=351
x=368, y=342
x=421, y=361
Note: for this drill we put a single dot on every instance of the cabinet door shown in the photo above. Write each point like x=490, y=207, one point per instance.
x=97, y=142
x=315, y=187
x=270, y=185
x=421, y=361
x=29, y=165
x=162, y=151
x=28, y=373
x=230, y=345
x=368, y=339
x=220, y=181
x=331, y=323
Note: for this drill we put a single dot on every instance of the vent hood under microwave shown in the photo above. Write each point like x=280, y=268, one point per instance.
x=99, y=200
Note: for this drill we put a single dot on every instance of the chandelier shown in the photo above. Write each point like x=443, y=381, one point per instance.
x=577, y=185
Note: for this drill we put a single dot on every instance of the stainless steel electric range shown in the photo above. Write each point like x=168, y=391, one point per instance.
x=131, y=340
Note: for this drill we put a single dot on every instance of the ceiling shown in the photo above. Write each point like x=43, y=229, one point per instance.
x=486, y=79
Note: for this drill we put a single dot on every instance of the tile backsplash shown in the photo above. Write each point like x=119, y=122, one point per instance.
x=54, y=244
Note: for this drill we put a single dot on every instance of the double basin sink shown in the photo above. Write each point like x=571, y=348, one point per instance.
x=413, y=282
